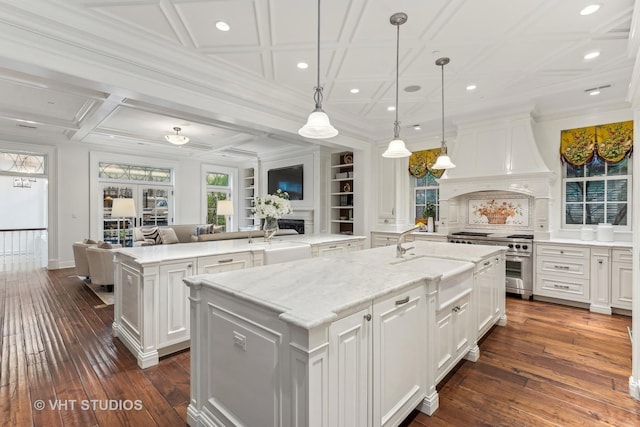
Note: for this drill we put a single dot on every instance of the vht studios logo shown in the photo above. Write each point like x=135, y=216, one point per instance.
x=88, y=404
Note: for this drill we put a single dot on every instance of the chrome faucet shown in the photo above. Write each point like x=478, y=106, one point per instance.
x=399, y=249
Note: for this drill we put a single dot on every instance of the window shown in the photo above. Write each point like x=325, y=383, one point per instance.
x=22, y=163
x=426, y=193
x=123, y=172
x=597, y=192
x=218, y=188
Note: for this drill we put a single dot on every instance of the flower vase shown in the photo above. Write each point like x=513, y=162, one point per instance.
x=430, y=224
x=270, y=228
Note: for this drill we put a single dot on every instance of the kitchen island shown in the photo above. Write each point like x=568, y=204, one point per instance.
x=356, y=340
x=151, y=307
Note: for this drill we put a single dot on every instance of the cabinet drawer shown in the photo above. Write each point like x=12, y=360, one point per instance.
x=559, y=287
x=568, y=267
x=380, y=240
x=622, y=255
x=226, y=262
x=563, y=251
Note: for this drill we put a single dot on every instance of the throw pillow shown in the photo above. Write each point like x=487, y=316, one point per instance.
x=217, y=228
x=137, y=235
x=89, y=241
x=204, y=229
x=168, y=236
x=151, y=234
x=105, y=245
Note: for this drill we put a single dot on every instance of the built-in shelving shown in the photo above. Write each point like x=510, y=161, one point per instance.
x=247, y=218
x=342, y=192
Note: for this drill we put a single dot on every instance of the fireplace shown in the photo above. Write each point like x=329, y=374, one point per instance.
x=292, y=224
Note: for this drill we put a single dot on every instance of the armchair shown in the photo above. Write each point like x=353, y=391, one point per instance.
x=101, y=265
x=80, y=258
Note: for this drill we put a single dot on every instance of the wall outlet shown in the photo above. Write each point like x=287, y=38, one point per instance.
x=240, y=340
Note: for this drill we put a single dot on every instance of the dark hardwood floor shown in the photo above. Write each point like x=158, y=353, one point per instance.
x=550, y=366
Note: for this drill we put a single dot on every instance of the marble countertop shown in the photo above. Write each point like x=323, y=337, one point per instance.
x=586, y=243
x=314, y=291
x=160, y=253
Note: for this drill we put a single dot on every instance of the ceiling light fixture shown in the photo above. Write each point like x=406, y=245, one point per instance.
x=592, y=55
x=302, y=65
x=593, y=8
x=177, y=139
x=471, y=87
x=443, y=161
x=222, y=26
x=318, y=125
x=355, y=90
x=391, y=108
x=594, y=92
x=396, y=148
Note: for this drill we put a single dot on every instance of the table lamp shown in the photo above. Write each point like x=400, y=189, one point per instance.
x=225, y=207
x=122, y=208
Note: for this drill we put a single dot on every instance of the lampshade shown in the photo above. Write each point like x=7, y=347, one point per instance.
x=443, y=161
x=396, y=148
x=318, y=125
x=123, y=208
x=225, y=207
x=176, y=139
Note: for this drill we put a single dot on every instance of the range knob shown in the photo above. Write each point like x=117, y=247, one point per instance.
x=517, y=246
x=525, y=247
x=469, y=243
x=510, y=245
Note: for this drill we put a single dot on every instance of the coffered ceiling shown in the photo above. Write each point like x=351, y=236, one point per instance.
x=517, y=53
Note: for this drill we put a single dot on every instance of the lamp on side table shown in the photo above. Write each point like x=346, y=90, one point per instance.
x=225, y=207
x=122, y=208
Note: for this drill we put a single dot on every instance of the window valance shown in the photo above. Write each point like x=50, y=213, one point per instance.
x=422, y=162
x=611, y=142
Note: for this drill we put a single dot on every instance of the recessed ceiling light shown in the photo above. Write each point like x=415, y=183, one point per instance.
x=592, y=8
x=592, y=55
x=416, y=127
x=355, y=90
x=594, y=92
x=391, y=108
x=222, y=26
x=471, y=87
x=412, y=88
x=302, y=65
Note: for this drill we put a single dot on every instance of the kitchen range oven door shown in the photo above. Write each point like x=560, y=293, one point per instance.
x=519, y=275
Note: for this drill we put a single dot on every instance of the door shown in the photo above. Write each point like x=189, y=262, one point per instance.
x=153, y=203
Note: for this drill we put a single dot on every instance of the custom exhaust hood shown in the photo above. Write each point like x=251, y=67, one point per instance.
x=499, y=155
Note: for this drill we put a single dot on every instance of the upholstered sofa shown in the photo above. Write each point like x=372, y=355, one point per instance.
x=80, y=257
x=186, y=233
x=100, y=259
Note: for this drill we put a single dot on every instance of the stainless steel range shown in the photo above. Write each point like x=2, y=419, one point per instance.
x=519, y=259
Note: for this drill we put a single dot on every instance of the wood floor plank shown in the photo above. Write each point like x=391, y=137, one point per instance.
x=551, y=365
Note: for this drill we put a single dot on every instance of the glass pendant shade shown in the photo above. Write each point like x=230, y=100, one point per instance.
x=396, y=150
x=176, y=139
x=443, y=162
x=318, y=126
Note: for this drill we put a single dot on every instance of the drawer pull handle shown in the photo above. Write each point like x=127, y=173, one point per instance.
x=189, y=265
x=456, y=308
x=555, y=285
x=332, y=247
x=487, y=263
x=402, y=301
x=561, y=252
x=225, y=261
x=561, y=267
x=367, y=317
x=599, y=261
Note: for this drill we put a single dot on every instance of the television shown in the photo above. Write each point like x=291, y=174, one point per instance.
x=289, y=179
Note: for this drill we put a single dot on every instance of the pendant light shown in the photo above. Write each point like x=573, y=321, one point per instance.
x=443, y=161
x=396, y=148
x=176, y=139
x=318, y=125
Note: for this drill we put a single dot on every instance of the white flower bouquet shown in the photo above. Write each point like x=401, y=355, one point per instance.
x=273, y=205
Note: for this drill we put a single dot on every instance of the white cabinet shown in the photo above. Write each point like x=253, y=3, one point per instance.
x=324, y=249
x=377, y=362
x=247, y=218
x=621, y=284
x=399, y=355
x=562, y=271
x=429, y=237
x=173, y=318
x=380, y=239
x=488, y=293
x=350, y=356
x=600, y=275
x=226, y=262
x=452, y=335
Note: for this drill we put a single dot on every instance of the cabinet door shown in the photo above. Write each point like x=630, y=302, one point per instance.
x=621, y=284
x=399, y=356
x=599, y=282
x=443, y=342
x=173, y=309
x=349, y=355
x=485, y=295
x=228, y=262
x=452, y=337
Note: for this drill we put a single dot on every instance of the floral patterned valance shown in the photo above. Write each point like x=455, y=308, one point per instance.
x=422, y=162
x=611, y=142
